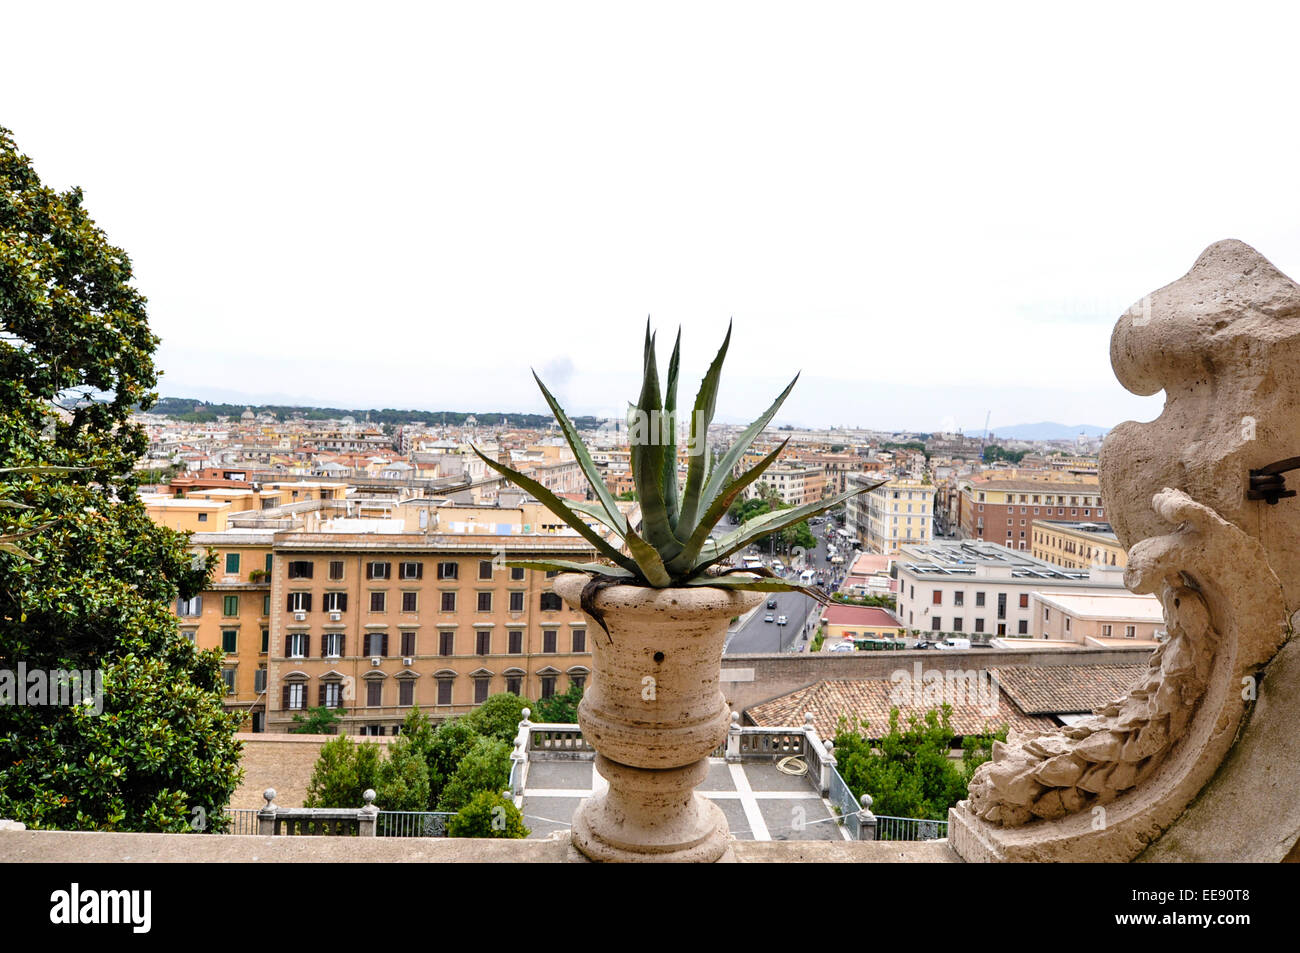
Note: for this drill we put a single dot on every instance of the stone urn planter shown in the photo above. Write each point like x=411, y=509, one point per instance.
x=654, y=712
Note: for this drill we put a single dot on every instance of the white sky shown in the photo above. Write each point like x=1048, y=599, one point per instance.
x=408, y=205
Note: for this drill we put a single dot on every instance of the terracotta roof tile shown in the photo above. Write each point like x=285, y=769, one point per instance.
x=872, y=699
x=1065, y=689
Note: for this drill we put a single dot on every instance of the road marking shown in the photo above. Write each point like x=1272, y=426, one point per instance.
x=757, y=826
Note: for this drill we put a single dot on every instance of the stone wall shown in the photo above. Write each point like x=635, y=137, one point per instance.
x=283, y=762
x=87, y=847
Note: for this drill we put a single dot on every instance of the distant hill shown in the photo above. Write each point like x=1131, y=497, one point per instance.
x=1048, y=431
x=201, y=411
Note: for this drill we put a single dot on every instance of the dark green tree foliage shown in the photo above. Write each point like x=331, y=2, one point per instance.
x=450, y=743
x=402, y=782
x=200, y=411
x=488, y=814
x=498, y=717
x=485, y=767
x=908, y=772
x=343, y=772
x=318, y=721
x=559, y=709
x=96, y=586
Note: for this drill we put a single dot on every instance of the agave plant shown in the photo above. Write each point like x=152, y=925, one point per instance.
x=673, y=546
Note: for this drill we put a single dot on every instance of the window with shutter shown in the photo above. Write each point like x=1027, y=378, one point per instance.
x=516, y=602
x=481, y=686
x=383, y=645
x=408, y=643
x=579, y=640
x=484, y=643
x=374, y=693
x=444, y=691
x=449, y=602
x=406, y=692
x=516, y=642
x=548, y=640
x=485, y=569
x=485, y=602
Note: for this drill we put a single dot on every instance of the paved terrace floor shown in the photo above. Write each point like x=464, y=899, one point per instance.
x=760, y=802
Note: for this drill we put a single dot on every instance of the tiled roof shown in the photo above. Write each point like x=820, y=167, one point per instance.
x=859, y=615
x=1065, y=689
x=872, y=699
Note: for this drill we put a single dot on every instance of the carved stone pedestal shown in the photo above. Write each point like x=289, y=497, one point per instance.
x=654, y=712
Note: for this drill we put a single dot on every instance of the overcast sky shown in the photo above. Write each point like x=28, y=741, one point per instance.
x=935, y=213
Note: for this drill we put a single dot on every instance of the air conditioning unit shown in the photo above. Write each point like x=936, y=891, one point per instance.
x=376, y=662
x=335, y=616
x=406, y=662
x=300, y=616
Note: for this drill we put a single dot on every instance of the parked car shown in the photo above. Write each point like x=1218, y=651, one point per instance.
x=769, y=618
x=951, y=643
x=924, y=645
x=843, y=647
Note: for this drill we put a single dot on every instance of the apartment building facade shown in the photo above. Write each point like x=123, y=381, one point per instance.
x=974, y=587
x=999, y=508
x=1097, y=620
x=1077, y=545
x=897, y=513
x=234, y=614
x=377, y=623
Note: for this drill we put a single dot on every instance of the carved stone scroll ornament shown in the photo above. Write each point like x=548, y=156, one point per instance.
x=1106, y=787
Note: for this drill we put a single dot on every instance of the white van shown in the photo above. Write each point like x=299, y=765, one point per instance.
x=951, y=643
x=807, y=576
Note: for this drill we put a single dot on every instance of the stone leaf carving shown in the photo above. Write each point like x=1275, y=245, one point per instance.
x=1223, y=342
x=1049, y=775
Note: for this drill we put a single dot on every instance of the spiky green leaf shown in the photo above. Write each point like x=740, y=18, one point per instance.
x=560, y=509
x=768, y=523
x=567, y=565
x=648, y=559
x=727, y=462
x=647, y=454
x=697, y=469
x=669, y=479
x=758, y=585
x=589, y=469
x=689, y=556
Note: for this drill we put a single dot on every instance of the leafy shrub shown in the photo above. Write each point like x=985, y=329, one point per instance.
x=485, y=767
x=343, y=772
x=488, y=814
